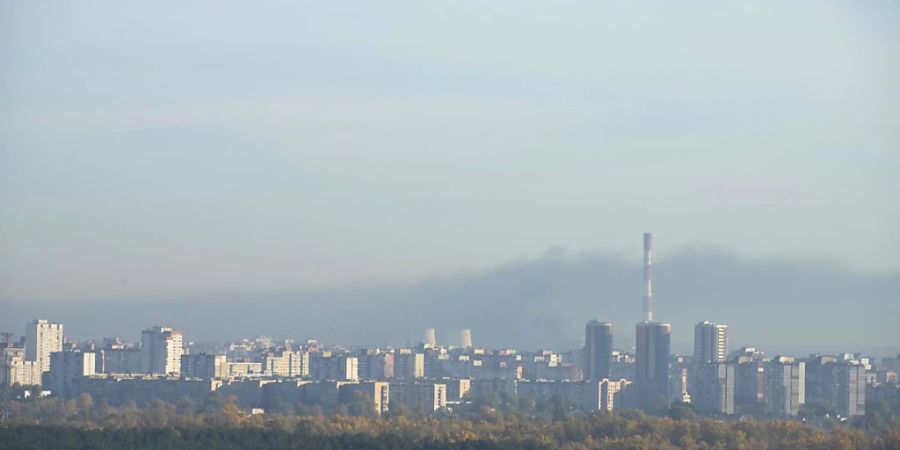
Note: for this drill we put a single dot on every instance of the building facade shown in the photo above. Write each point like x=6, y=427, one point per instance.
x=161, y=350
x=15, y=369
x=710, y=342
x=286, y=363
x=840, y=384
x=598, y=344
x=749, y=382
x=611, y=391
x=42, y=339
x=711, y=387
x=653, y=344
x=785, y=386
x=203, y=365
x=409, y=365
x=67, y=370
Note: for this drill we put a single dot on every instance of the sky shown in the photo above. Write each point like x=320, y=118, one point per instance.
x=185, y=148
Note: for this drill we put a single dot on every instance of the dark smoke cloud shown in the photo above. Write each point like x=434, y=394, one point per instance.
x=533, y=304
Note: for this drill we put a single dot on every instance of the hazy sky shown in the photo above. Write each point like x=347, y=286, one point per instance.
x=172, y=148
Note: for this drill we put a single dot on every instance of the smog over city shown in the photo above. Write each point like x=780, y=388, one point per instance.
x=449, y=225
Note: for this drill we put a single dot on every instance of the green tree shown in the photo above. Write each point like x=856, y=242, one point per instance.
x=681, y=411
x=361, y=404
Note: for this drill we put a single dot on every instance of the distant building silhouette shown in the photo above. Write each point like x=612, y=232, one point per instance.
x=840, y=384
x=598, y=345
x=785, y=386
x=711, y=387
x=710, y=342
x=654, y=342
x=465, y=337
x=161, y=350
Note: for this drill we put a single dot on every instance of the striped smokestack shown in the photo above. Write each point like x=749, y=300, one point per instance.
x=647, y=306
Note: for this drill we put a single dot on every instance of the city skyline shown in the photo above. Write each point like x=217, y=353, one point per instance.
x=515, y=224
x=162, y=367
x=560, y=289
x=265, y=374
x=709, y=339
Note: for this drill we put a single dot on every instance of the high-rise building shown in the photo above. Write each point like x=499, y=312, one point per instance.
x=457, y=388
x=409, y=365
x=840, y=384
x=611, y=391
x=378, y=391
x=67, y=369
x=431, y=396
x=598, y=343
x=42, y=339
x=430, y=338
x=678, y=378
x=334, y=367
x=710, y=342
x=286, y=363
x=203, y=365
x=8, y=354
x=375, y=364
x=749, y=381
x=15, y=369
x=711, y=387
x=652, y=359
x=161, y=350
x=785, y=386
x=122, y=360
x=348, y=368
x=465, y=337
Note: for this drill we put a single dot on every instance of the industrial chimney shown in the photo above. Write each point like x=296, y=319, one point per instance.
x=647, y=306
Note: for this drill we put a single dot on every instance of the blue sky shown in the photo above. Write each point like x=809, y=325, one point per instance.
x=172, y=149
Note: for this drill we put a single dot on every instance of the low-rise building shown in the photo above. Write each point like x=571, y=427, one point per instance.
x=243, y=369
x=118, y=389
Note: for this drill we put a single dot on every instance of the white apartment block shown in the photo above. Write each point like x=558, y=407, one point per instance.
x=161, y=350
x=14, y=369
x=42, y=339
x=286, y=364
x=710, y=342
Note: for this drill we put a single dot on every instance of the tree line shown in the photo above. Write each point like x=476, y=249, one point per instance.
x=485, y=422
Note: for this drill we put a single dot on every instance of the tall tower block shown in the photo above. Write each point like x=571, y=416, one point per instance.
x=42, y=339
x=465, y=337
x=430, y=338
x=598, y=344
